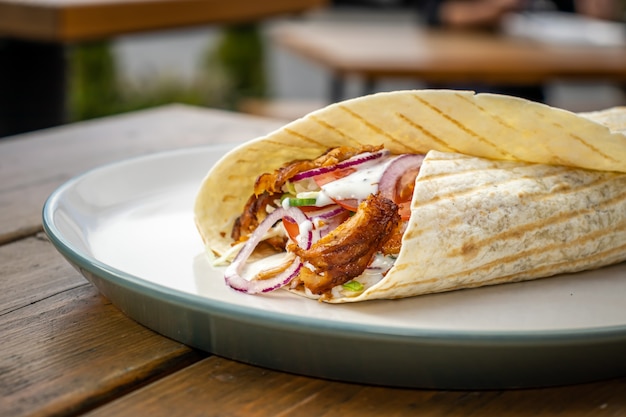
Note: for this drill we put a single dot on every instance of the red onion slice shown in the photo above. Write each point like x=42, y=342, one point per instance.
x=332, y=223
x=327, y=219
x=238, y=283
x=403, y=164
x=232, y=274
x=325, y=212
x=351, y=162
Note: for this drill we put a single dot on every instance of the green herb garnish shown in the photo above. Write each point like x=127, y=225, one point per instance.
x=353, y=286
x=300, y=202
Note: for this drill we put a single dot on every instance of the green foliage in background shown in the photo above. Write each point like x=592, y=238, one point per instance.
x=231, y=71
x=239, y=56
x=93, y=81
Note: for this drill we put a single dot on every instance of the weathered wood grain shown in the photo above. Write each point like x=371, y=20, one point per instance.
x=219, y=387
x=26, y=279
x=33, y=165
x=64, y=347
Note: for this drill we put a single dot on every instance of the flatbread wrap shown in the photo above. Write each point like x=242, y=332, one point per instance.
x=502, y=190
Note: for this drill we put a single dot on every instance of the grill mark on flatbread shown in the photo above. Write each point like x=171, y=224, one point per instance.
x=482, y=185
x=380, y=131
x=536, y=196
x=464, y=128
x=540, y=195
x=543, y=271
x=612, y=118
x=430, y=135
x=468, y=191
x=443, y=175
x=342, y=134
x=551, y=268
x=471, y=248
x=572, y=188
x=576, y=265
x=509, y=126
x=557, y=160
x=483, y=110
x=305, y=138
x=587, y=144
x=579, y=140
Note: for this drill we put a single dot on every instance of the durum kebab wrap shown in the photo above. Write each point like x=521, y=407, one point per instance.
x=399, y=194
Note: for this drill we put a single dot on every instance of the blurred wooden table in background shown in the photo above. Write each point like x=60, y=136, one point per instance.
x=377, y=51
x=34, y=33
x=80, y=20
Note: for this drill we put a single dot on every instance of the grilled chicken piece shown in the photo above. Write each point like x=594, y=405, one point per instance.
x=268, y=188
x=392, y=245
x=273, y=182
x=345, y=252
x=254, y=213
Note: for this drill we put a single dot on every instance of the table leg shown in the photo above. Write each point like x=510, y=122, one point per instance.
x=369, y=86
x=336, y=88
x=33, y=83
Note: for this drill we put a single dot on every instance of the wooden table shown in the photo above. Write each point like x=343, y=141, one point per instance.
x=375, y=51
x=67, y=351
x=34, y=33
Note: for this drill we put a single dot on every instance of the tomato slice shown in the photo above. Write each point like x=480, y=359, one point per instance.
x=327, y=177
x=308, y=209
x=404, y=209
x=292, y=228
x=404, y=192
x=406, y=185
x=350, y=204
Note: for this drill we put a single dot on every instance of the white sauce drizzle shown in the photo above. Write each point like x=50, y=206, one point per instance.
x=358, y=185
x=305, y=228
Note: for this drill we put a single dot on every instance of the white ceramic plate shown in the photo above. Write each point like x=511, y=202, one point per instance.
x=128, y=227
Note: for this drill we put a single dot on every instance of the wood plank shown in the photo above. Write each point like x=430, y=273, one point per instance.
x=89, y=22
x=65, y=348
x=25, y=20
x=26, y=279
x=33, y=165
x=229, y=388
x=79, y=20
x=403, y=50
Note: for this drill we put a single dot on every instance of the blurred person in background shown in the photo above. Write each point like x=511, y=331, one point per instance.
x=488, y=15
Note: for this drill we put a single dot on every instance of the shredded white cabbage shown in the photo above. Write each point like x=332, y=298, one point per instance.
x=228, y=256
